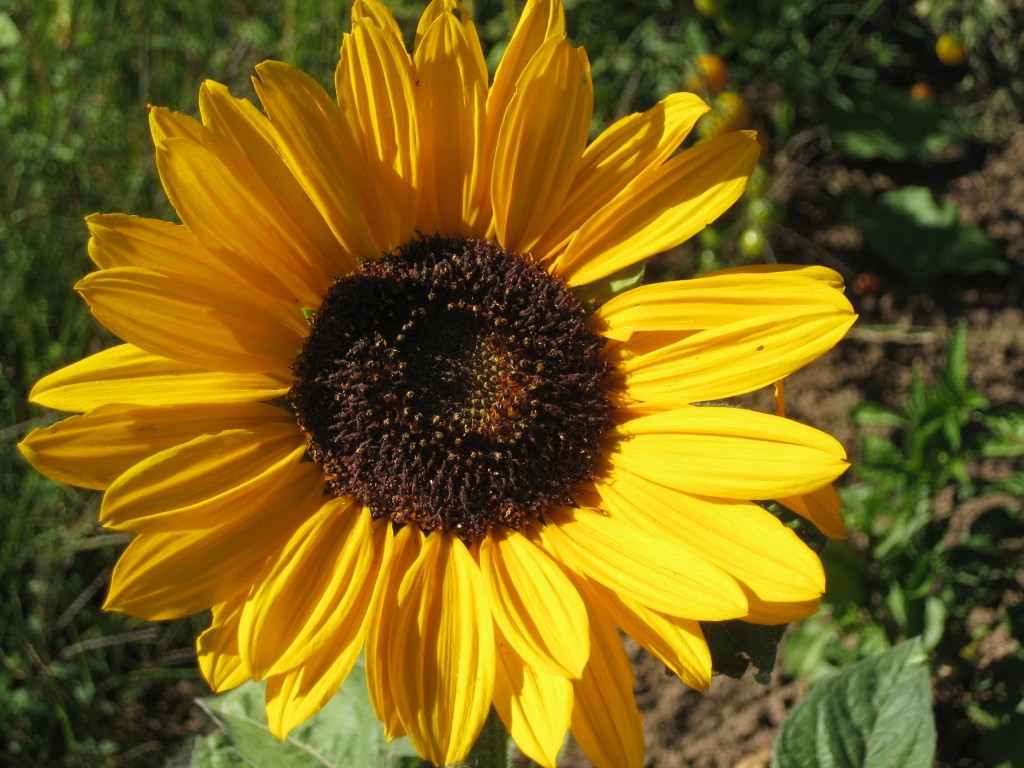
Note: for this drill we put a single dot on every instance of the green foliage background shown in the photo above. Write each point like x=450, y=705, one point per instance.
x=77, y=686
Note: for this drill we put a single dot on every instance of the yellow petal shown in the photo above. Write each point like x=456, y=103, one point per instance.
x=298, y=694
x=774, y=613
x=165, y=124
x=666, y=206
x=377, y=13
x=534, y=603
x=779, y=392
x=438, y=8
x=207, y=482
x=374, y=84
x=169, y=575
x=540, y=143
x=539, y=20
x=813, y=272
x=90, y=451
x=734, y=359
x=741, y=538
x=120, y=240
x=715, y=300
x=407, y=544
x=535, y=707
x=325, y=157
x=250, y=147
x=605, y=720
x=220, y=328
x=731, y=453
x=821, y=506
x=217, y=648
x=442, y=651
x=126, y=374
x=652, y=570
x=677, y=643
x=451, y=96
x=314, y=590
x=616, y=157
x=219, y=206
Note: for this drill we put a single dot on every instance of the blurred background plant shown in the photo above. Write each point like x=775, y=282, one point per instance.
x=865, y=112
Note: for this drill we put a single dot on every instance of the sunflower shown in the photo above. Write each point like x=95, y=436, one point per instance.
x=367, y=402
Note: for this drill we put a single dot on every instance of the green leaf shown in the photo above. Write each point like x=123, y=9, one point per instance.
x=845, y=573
x=344, y=734
x=875, y=714
x=10, y=36
x=922, y=238
x=879, y=122
x=808, y=648
x=935, y=614
x=875, y=415
x=956, y=359
x=879, y=451
x=736, y=646
x=1006, y=433
x=600, y=291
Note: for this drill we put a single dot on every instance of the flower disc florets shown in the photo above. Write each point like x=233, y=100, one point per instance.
x=452, y=385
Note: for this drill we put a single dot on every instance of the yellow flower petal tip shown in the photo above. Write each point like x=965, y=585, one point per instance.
x=357, y=392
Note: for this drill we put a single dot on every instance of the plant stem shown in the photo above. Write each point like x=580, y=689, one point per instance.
x=491, y=748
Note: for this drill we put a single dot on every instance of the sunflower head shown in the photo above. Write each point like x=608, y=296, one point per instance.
x=453, y=386
x=359, y=407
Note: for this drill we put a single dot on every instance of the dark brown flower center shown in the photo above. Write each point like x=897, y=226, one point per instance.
x=452, y=385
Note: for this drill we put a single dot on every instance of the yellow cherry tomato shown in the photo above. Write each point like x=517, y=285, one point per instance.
x=711, y=8
x=951, y=50
x=734, y=110
x=729, y=112
x=713, y=74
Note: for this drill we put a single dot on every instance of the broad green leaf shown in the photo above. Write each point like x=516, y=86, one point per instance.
x=845, y=573
x=344, y=734
x=880, y=122
x=875, y=714
x=736, y=646
x=923, y=238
